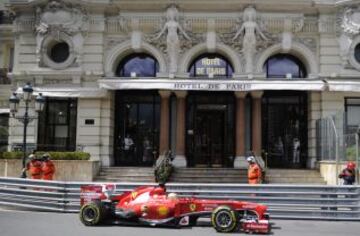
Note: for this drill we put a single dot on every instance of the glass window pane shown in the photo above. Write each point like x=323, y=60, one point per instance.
x=138, y=125
x=353, y=115
x=357, y=53
x=4, y=131
x=280, y=65
x=57, y=125
x=142, y=65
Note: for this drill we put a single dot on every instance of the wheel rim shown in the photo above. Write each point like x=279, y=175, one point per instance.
x=89, y=214
x=224, y=219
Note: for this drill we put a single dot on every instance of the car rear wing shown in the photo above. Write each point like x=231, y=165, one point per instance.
x=91, y=193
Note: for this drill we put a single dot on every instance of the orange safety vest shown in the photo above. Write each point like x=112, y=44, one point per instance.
x=254, y=174
x=48, y=169
x=34, y=167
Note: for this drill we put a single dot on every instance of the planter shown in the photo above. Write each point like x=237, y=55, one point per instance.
x=66, y=170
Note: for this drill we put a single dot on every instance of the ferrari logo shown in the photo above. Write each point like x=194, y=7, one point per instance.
x=134, y=194
x=192, y=207
x=163, y=210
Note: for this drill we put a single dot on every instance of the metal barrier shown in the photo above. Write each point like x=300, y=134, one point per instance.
x=284, y=201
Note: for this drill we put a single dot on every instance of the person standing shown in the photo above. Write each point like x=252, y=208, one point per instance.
x=254, y=171
x=348, y=174
x=34, y=167
x=48, y=167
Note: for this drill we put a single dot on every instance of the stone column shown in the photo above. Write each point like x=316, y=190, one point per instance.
x=256, y=122
x=180, y=159
x=240, y=161
x=164, y=121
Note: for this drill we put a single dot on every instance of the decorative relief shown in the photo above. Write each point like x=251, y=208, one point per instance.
x=60, y=22
x=111, y=42
x=348, y=32
x=351, y=21
x=58, y=16
x=250, y=31
x=173, y=29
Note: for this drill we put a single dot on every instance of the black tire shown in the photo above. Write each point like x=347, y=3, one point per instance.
x=91, y=214
x=224, y=219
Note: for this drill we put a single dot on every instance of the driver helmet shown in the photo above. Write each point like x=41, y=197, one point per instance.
x=172, y=196
x=31, y=156
x=350, y=165
x=251, y=159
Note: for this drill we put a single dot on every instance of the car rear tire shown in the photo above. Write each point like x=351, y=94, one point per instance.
x=224, y=219
x=92, y=213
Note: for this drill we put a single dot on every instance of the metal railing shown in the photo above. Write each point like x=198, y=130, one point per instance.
x=284, y=201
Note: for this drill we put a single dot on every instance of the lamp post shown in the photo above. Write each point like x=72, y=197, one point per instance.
x=25, y=119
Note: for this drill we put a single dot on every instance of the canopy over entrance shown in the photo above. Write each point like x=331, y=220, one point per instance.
x=212, y=85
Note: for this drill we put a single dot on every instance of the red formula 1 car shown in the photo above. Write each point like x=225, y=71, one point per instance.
x=154, y=207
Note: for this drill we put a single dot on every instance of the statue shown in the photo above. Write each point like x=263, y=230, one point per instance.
x=172, y=40
x=249, y=27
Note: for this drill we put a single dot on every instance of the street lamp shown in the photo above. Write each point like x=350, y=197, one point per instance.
x=25, y=119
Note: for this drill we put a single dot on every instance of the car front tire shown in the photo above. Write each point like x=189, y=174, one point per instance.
x=224, y=219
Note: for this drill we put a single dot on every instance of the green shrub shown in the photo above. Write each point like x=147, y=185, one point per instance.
x=351, y=153
x=53, y=155
x=12, y=155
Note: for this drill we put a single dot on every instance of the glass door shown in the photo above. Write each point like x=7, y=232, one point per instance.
x=137, y=128
x=210, y=130
x=285, y=129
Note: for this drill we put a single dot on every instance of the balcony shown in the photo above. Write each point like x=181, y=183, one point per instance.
x=3, y=76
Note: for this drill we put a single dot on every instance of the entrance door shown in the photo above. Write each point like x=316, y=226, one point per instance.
x=285, y=129
x=210, y=131
x=209, y=138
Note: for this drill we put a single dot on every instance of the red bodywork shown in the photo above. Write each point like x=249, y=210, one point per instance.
x=154, y=206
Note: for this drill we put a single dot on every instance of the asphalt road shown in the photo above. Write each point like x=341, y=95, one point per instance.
x=20, y=223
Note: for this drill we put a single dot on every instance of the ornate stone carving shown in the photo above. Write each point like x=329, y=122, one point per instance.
x=348, y=31
x=173, y=27
x=60, y=22
x=351, y=21
x=250, y=29
x=58, y=16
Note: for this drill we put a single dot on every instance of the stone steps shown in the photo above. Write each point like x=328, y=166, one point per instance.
x=209, y=175
x=293, y=176
x=126, y=174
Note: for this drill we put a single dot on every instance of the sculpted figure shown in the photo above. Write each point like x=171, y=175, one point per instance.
x=172, y=40
x=250, y=28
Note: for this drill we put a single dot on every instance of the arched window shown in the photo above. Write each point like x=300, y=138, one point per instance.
x=211, y=65
x=284, y=66
x=139, y=64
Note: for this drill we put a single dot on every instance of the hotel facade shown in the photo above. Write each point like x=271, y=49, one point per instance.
x=210, y=80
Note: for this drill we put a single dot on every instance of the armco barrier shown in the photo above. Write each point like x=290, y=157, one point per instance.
x=284, y=201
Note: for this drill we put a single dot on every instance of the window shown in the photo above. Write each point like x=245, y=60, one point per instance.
x=211, y=65
x=4, y=131
x=59, y=52
x=357, y=53
x=57, y=125
x=352, y=114
x=142, y=65
x=284, y=66
x=137, y=128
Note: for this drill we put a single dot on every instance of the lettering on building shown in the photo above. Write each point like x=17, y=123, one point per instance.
x=213, y=86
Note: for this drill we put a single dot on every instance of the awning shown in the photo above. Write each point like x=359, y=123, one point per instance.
x=4, y=110
x=212, y=85
x=68, y=92
x=345, y=86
